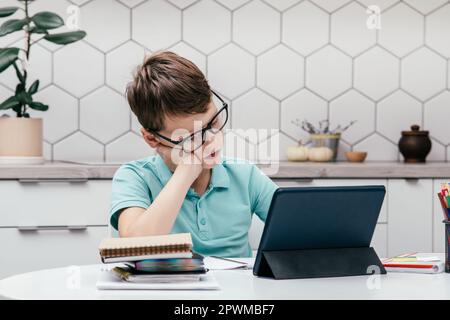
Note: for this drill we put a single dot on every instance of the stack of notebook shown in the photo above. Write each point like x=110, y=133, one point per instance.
x=154, y=259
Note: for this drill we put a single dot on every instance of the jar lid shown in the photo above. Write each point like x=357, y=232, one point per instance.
x=415, y=131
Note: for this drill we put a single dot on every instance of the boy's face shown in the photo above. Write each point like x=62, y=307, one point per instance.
x=179, y=127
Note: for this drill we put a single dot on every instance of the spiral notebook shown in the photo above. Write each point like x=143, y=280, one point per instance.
x=140, y=248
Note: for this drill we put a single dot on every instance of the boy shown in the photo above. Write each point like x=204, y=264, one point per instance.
x=187, y=186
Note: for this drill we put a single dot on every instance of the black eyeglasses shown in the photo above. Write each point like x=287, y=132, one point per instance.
x=198, y=138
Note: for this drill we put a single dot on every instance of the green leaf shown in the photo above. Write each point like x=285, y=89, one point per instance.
x=7, y=11
x=37, y=30
x=11, y=26
x=18, y=73
x=47, y=20
x=7, y=57
x=65, y=37
x=34, y=87
x=9, y=103
x=38, y=106
x=24, y=97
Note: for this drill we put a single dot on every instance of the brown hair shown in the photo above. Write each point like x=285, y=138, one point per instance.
x=167, y=84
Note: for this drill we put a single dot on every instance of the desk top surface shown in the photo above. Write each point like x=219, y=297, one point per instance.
x=62, y=283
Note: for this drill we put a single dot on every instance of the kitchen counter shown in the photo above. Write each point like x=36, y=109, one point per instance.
x=57, y=170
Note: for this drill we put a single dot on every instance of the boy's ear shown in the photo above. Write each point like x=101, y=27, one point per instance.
x=149, y=138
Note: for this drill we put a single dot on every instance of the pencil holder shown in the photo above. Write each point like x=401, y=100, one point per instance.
x=447, y=245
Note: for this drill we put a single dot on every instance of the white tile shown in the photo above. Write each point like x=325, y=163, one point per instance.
x=106, y=22
x=104, y=114
x=382, y=4
x=437, y=27
x=78, y=68
x=436, y=115
x=47, y=151
x=275, y=148
x=353, y=106
x=331, y=5
x=328, y=72
x=135, y=125
x=235, y=146
x=349, y=30
x=401, y=30
x=378, y=148
x=121, y=63
x=425, y=6
x=156, y=24
x=39, y=67
x=255, y=112
x=233, y=4
x=396, y=113
x=423, y=73
x=303, y=105
x=127, y=148
x=69, y=149
x=131, y=3
x=282, y=4
x=61, y=118
x=256, y=26
x=79, y=2
x=231, y=70
x=185, y=50
x=376, y=73
x=299, y=21
x=280, y=63
x=182, y=3
x=206, y=26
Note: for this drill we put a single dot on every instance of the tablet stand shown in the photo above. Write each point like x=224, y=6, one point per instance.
x=318, y=263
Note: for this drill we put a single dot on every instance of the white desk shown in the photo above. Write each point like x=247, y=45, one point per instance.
x=235, y=284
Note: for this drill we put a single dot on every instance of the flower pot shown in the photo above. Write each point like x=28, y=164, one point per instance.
x=21, y=140
x=326, y=140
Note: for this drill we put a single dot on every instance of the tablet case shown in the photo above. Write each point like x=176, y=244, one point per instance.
x=319, y=263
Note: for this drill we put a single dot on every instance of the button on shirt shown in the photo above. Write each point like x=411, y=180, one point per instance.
x=218, y=220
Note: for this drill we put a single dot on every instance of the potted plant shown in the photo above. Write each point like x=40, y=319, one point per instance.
x=21, y=137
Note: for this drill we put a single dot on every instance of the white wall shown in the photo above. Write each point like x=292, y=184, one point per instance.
x=274, y=61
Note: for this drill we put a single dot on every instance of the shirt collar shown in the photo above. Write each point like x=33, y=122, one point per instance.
x=219, y=175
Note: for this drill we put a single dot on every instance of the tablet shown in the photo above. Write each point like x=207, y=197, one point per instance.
x=320, y=218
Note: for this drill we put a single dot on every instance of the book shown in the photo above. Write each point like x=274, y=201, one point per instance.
x=150, y=247
x=130, y=275
x=411, y=263
x=169, y=265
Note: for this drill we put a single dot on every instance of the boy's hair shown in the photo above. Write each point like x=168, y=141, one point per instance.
x=167, y=84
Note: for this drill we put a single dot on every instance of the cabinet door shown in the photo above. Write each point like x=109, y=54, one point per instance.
x=379, y=240
x=438, y=216
x=24, y=251
x=410, y=216
x=50, y=203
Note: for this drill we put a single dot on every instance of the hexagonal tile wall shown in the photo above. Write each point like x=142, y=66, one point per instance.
x=256, y=32
x=231, y=70
x=298, y=22
x=156, y=24
x=376, y=73
x=280, y=60
x=328, y=72
x=103, y=24
x=349, y=31
x=280, y=63
x=401, y=30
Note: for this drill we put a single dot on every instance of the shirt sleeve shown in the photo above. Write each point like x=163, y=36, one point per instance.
x=128, y=190
x=262, y=189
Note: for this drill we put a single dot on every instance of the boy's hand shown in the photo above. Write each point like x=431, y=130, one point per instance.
x=190, y=163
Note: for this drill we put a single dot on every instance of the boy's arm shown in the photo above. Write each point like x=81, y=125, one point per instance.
x=262, y=189
x=160, y=216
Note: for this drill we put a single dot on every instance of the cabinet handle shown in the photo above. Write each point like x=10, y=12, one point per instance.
x=298, y=181
x=26, y=180
x=51, y=228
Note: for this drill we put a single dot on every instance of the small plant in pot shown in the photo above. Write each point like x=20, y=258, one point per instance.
x=26, y=146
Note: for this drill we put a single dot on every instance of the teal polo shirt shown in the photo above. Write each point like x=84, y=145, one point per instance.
x=218, y=220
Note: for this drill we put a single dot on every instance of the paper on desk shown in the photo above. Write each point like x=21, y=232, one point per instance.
x=213, y=263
